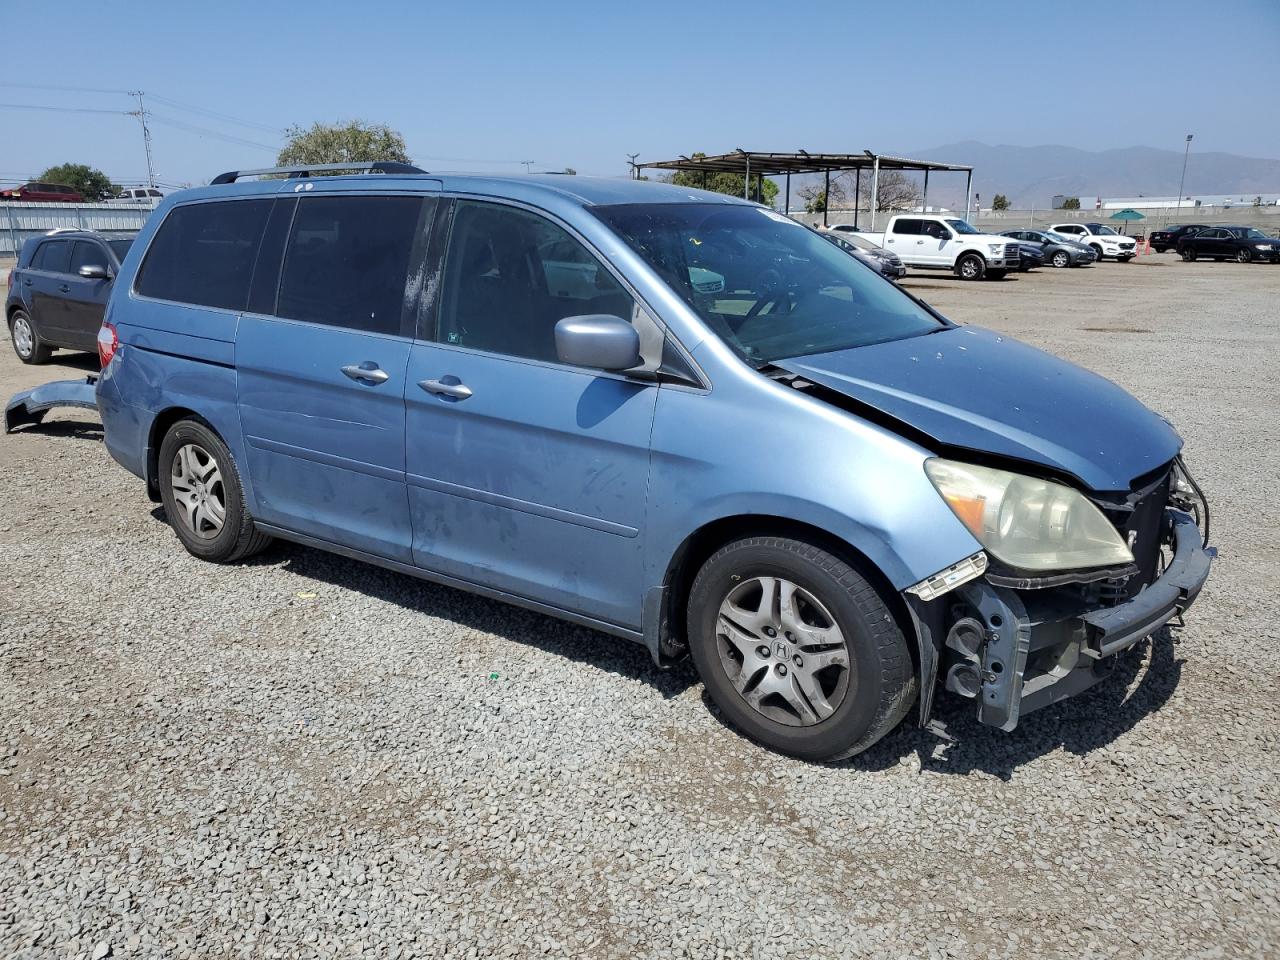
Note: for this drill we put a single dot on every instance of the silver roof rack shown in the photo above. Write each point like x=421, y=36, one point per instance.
x=374, y=166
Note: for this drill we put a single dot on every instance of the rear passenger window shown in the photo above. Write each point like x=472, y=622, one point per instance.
x=511, y=275
x=909, y=228
x=347, y=261
x=54, y=256
x=203, y=254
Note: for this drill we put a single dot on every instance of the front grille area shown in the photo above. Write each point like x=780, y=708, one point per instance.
x=1139, y=516
x=1011, y=251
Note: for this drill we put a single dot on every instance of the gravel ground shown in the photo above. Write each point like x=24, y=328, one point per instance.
x=305, y=756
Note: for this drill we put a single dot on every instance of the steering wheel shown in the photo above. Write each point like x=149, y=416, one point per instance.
x=772, y=291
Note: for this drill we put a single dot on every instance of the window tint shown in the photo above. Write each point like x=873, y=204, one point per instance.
x=347, y=261
x=910, y=228
x=931, y=228
x=120, y=247
x=510, y=276
x=204, y=253
x=87, y=253
x=54, y=255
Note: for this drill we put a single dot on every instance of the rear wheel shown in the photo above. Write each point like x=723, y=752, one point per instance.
x=971, y=267
x=1159, y=249
x=203, y=497
x=26, y=341
x=1244, y=255
x=1061, y=259
x=797, y=649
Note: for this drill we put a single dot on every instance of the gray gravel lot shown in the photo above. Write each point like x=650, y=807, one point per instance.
x=304, y=756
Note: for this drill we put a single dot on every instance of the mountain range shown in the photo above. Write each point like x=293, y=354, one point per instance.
x=1031, y=176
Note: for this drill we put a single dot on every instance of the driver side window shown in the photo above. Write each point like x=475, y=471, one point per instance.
x=511, y=275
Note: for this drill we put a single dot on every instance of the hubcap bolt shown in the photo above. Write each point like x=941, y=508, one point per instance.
x=782, y=669
x=762, y=650
x=770, y=632
x=797, y=660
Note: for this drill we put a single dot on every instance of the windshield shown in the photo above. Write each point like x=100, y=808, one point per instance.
x=1105, y=232
x=1060, y=237
x=120, y=247
x=767, y=286
x=962, y=226
x=1249, y=233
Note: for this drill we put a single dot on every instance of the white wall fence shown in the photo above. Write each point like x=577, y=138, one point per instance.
x=20, y=222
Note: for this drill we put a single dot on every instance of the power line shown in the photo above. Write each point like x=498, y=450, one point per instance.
x=36, y=106
x=45, y=86
x=215, y=115
x=206, y=132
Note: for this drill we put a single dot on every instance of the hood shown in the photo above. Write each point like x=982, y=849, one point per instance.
x=974, y=389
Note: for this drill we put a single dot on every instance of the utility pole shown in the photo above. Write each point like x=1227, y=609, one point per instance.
x=141, y=114
x=635, y=171
x=1181, y=183
x=528, y=164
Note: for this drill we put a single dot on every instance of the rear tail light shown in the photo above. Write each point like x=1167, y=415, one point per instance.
x=108, y=344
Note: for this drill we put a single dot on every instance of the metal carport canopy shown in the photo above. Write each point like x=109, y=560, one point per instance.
x=750, y=162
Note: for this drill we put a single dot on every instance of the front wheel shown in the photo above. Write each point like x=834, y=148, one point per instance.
x=1097, y=251
x=26, y=340
x=1061, y=259
x=971, y=267
x=1124, y=259
x=999, y=274
x=1244, y=255
x=1189, y=255
x=202, y=495
x=797, y=649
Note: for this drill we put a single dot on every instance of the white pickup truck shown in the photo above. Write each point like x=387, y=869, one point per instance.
x=947, y=243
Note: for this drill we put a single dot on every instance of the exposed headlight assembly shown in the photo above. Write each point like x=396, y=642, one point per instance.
x=996, y=248
x=1028, y=523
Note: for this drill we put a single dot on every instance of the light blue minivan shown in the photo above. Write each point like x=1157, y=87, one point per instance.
x=670, y=415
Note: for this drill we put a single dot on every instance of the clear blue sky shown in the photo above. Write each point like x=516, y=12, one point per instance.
x=485, y=85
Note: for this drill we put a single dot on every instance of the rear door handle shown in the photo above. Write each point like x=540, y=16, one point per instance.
x=64, y=288
x=449, y=387
x=367, y=372
x=26, y=281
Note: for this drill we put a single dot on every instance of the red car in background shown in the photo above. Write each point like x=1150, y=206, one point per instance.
x=42, y=192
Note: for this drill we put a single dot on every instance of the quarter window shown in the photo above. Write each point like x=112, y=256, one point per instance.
x=347, y=261
x=511, y=276
x=203, y=254
x=910, y=228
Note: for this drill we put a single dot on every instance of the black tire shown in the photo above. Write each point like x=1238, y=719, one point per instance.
x=1244, y=255
x=1188, y=255
x=237, y=538
x=1061, y=259
x=971, y=266
x=881, y=677
x=1159, y=249
x=1125, y=259
x=998, y=274
x=38, y=351
x=1097, y=249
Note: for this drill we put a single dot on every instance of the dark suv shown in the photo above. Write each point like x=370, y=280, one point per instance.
x=59, y=290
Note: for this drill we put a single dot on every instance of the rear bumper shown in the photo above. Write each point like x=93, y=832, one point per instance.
x=30, y=406
x=1027, y=649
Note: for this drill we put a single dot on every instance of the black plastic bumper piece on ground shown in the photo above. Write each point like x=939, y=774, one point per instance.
x=30, y=406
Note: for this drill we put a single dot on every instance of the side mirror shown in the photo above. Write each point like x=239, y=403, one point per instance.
x=95, y=271
x=599, y=341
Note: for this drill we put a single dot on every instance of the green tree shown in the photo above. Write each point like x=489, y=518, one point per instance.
x=1071, y=203
x=352, y=142
x=999, y=202
x=815, y=201
x=92, y=184
x=730, y=183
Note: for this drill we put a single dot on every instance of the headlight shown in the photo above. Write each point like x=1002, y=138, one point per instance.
x=1262, y=246
x=1030, y=524
x=996, y=248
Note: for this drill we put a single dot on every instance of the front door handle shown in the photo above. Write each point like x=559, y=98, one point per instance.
x=65, y=288
x=367, y=372
x=449, y=387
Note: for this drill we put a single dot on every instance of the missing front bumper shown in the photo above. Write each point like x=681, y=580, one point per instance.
x=28, y=407
x=1015, y=651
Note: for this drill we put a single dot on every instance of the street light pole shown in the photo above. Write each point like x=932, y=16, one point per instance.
x=1181, y=183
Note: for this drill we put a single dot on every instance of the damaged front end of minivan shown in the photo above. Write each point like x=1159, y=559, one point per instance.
x=1028, y=621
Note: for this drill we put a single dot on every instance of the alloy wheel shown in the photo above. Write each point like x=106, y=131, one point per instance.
x=1244, y=255
x=23, y=338
x=783, y=651
x=198, y=490
x=1061, y=259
